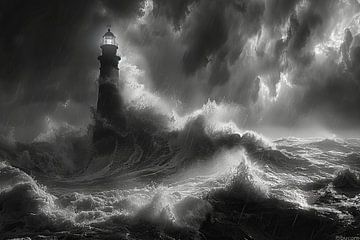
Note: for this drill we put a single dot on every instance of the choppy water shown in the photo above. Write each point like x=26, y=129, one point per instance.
x=186, y=184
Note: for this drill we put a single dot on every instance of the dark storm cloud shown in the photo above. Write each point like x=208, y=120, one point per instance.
x=193, y=49
x=175, y=10
x=278, y=11
x=124, y=8
x=338, y=94
x=306, y=26
x=331, y=90
x=37, y=45
x=207, y=33
x=215, y=34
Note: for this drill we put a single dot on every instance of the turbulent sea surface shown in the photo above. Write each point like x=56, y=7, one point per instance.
x=190, y=183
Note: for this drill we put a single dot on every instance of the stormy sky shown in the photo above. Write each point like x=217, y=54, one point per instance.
x=288, y=63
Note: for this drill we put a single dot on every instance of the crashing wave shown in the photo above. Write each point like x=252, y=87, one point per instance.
x=353, y=159
x=25, y=205
x=347, y=180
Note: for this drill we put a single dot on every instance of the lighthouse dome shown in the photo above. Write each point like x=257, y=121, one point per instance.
x=109, y=38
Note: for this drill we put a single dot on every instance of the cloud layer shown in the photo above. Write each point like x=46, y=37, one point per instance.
x=283, y=61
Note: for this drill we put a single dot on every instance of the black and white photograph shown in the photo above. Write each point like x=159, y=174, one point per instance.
x=180, y=119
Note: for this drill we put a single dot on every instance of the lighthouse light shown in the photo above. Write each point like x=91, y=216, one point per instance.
x=109, y=38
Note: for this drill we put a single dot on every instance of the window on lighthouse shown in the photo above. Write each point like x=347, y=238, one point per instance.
x=109, y=40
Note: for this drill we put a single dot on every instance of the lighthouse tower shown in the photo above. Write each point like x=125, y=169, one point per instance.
x=109, y=105
x=110, y=119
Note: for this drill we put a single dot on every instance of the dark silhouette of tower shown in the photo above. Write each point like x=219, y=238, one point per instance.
x=110, y=121
x=109, y=104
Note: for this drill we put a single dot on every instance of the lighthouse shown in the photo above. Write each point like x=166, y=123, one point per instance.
x=110, y=121
x=109, y=104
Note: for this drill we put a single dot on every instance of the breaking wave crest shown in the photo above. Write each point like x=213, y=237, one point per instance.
x=347, y=180
x=26, y=205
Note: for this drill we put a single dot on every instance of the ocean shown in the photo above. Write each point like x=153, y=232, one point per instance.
x=193, y=182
